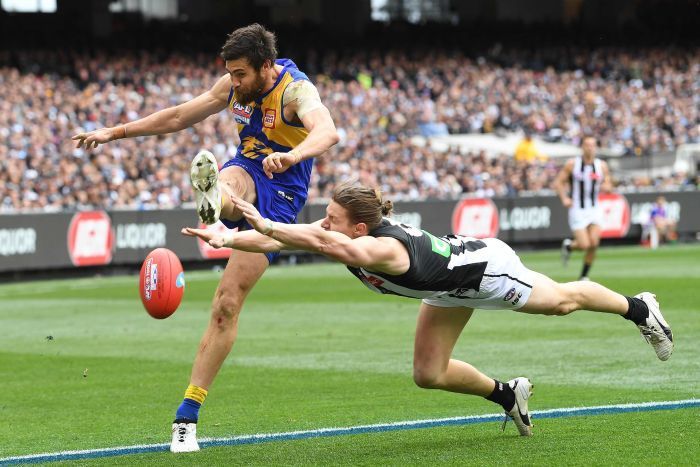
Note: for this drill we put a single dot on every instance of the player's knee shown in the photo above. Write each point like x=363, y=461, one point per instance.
x=234, y=184
x=565, y=302
x=226, y=307
x=584, y=244
x=564, y=308
x=426, y=377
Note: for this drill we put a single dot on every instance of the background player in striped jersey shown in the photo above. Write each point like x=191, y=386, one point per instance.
x=452, y=275
x=282, y=125
x=585, y=176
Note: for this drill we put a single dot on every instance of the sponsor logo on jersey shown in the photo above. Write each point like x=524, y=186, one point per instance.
x=462, y=292
x=375, y=281
x=616, y=215
x=241, y=113
x=90, y=239
x=509, y=295
x=475, y=217
x=286, y=196
x=269, y=118
x=439, y=246
x=517, y=299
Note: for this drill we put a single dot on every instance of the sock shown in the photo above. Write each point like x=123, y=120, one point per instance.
x=189, y=409
x=586, y=268
x=638, y=312
x=503, y=395
x=568, y=247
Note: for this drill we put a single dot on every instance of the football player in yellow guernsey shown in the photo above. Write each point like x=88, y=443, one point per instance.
x=282, y=125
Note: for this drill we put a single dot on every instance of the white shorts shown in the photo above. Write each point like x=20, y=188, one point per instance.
x=507, y=283
x=581, y=218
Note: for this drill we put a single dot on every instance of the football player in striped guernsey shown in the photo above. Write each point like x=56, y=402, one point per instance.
x=452, y=275
x=585, y=176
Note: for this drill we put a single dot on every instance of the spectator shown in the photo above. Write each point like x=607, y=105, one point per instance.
x=526, y=150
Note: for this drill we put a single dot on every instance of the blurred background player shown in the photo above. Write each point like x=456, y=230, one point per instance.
x=585, y=176
x=452, y=275
x=282, y=125
x=663, y=229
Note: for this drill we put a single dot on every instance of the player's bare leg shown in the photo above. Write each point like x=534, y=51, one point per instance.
x=581, y=240
x=551, y=298
x=241, y=274
x=433, y=368
x=236, y=181
x=212, y=193
x=593, y=232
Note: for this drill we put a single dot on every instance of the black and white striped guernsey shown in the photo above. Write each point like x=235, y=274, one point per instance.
x=451, y=263
x=585, y=183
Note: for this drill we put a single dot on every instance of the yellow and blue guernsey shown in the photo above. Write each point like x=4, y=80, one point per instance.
x=264, y=130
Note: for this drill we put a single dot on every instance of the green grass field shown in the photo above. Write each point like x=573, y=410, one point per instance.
x=316, y=349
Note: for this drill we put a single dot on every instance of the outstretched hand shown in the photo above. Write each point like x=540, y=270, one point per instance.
x=93, y=139
x=212, y=238
x=251, y=214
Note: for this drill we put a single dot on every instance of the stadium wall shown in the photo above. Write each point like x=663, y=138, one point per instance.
x=118, y=238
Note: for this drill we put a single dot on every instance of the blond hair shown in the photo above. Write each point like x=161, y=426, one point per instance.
x=364, y=204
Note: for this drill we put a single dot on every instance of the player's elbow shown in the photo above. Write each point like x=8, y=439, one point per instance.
x=333, y=137
x=342, y=254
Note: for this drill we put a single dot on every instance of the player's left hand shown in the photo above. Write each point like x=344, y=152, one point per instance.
x=251, y=214
x=278, y=162
x=212, y=238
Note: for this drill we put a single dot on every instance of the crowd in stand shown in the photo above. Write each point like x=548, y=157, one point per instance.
x=637, y=104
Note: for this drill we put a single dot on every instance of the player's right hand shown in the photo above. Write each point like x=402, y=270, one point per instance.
x=567, y=202
x=212, y=238
x=94, y=138
x=252, y=215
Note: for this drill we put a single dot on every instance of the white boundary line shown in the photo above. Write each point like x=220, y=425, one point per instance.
x=324, y=432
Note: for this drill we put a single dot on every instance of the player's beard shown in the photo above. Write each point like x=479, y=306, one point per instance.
x=255, y=93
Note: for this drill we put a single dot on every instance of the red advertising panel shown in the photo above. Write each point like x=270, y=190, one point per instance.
x=616, y=215
x=90, y=239
x=475, y=217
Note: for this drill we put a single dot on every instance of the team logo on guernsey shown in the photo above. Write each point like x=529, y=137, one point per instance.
x=269, y=118
x=241, y=113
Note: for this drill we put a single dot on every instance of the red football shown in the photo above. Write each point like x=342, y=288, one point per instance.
x=161, y=283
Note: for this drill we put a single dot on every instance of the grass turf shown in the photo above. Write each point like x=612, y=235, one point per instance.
x=316, y=349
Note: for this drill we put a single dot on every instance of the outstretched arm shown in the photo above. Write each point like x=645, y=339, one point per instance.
x=248, y=240
x=164, y=121
x=365, y=251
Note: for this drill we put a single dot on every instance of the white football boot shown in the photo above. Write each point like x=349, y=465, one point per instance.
x=520, y=413
x=565, y=252
x=184, y=438
x=204, y=177
x=656, y=330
